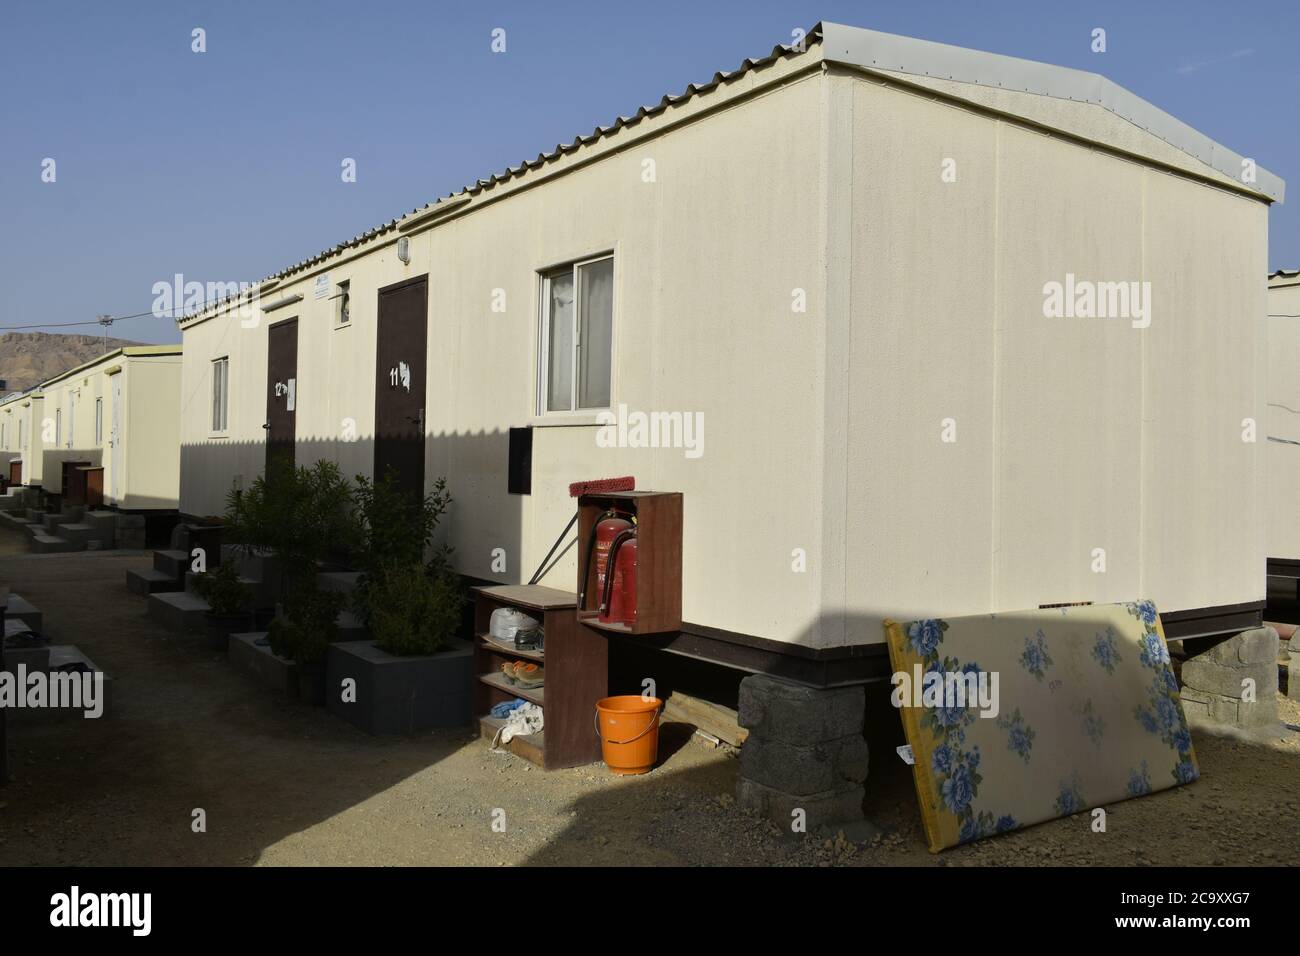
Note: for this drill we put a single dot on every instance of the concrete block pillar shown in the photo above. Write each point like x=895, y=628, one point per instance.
x=805, y=751
x=1216, y=681
x=1291, y=658
x=129, y=531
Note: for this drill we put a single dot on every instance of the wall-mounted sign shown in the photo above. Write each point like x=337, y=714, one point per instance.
x=399, y=376
x=322, y=289
x=289, y=391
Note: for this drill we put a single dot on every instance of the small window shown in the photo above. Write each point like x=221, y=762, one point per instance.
x=220, y=392
x=343, y=304
x=577, y=325
x=58, y=427
x=99, y=421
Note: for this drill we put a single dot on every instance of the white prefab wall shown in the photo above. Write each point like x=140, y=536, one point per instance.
x=149, y=456
x=1089, y=460
x=1283, y=418
x=708, y=257
x=826, y=497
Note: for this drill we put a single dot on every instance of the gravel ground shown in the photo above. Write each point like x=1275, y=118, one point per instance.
x=286, y=784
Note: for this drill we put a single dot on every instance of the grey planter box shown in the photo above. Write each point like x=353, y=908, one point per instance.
x=400, y=695
x=278, y=673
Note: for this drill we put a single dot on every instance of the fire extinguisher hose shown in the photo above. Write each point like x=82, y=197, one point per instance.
x=614, y=545
x=591, y=548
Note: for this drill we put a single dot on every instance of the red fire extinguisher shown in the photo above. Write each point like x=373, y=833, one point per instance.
x=607, y=527
x=618, y=599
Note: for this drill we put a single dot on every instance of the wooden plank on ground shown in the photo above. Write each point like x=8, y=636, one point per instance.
x=721, y=722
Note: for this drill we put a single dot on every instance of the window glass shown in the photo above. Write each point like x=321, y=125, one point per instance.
x=596, y=303
x=559, y=377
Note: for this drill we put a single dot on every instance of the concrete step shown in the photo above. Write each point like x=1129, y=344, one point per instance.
x=257, y=660
x=52, y=544
x=177, y=610
x=23, y=610
x=79, y=532
x=13, y=500
x=175, y=563
x=52, y=521
x=105, y=525
x=14, y=519
x=151, y=581
x=62, y=655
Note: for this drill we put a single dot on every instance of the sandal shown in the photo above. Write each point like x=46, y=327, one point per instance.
x=528, y=675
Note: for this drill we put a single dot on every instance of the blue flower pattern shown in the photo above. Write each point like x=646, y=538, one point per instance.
x=1069, y=801
x=1035, y=658
x=1139, y=780
x=955, y=762
x=1020, y=736
x=1094, y=728
x=1162, y=715
x=1105, y=652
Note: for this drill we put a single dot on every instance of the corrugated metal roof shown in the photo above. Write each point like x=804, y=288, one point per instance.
x=1284, y=274
x=692, y=90
x=874, y=51
x=127, y=351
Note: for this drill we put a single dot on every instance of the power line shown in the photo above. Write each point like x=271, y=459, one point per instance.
x=114, y=318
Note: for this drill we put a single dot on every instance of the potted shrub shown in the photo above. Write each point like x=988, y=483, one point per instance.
x=414, y=609
x=303, y=634
x=415, y=673
x=302, y=515
x=228, y=603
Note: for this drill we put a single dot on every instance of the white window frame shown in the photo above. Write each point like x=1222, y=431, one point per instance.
x=99, y=421
x=544, y=277
x=58, y=427
x=220, y=428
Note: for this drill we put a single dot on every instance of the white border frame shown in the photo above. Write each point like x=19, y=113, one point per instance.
x=573, y=415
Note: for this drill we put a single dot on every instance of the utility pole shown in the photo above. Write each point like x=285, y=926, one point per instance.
x=105, y=321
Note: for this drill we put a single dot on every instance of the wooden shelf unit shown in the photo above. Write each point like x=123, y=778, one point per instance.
x=576, y=662
x=659, y=558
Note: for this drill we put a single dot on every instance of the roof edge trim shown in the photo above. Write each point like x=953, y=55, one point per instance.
x=871, y=49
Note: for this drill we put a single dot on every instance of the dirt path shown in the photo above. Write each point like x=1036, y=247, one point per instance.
x=286, y=784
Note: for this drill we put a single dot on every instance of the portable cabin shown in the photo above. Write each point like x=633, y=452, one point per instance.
x=20, y=437
x=111, y=430
x=916, y=330
x=1282, y=423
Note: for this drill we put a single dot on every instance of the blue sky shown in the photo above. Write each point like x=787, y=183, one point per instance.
x=224, y=166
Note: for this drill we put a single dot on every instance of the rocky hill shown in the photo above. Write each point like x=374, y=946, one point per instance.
x=28, y=358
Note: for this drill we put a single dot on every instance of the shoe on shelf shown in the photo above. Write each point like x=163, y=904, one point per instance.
x=528, y=675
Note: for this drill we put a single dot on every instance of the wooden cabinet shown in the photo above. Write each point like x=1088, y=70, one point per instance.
x=659, y=558
x=576, y=666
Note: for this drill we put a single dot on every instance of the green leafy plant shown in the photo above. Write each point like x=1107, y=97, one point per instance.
x=411, y=606
x=308, y=626
x=414, y=609
x=302, y=514
x=395, y=529
x=221, y=588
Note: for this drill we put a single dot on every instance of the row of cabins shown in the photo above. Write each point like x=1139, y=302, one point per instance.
x=935, y=332
x=836, y=259
x=118, y=416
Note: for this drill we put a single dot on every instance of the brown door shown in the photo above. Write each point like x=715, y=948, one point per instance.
x=281, y=388
x=15, y=472
x=399, y=383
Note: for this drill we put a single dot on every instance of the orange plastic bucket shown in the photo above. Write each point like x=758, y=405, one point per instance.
x=628, y=728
